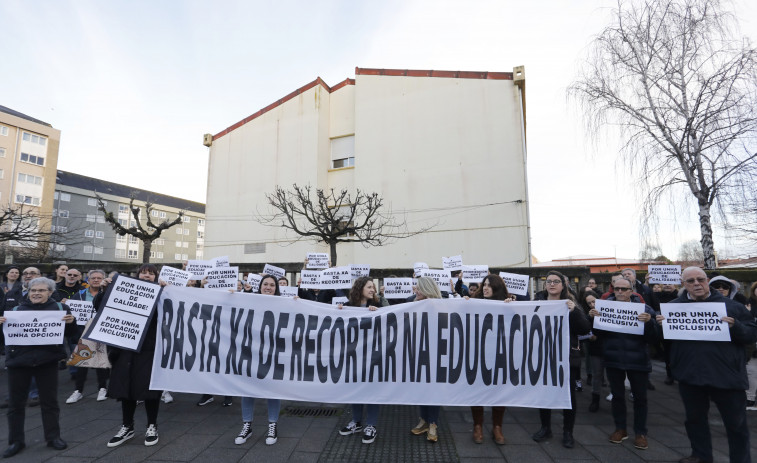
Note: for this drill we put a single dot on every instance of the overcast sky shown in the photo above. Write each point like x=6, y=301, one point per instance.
x=134, y=85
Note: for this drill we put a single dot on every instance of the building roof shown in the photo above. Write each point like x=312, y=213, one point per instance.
x=13, y=112
x=101, y=186
x=586, y=260
x=370, y=72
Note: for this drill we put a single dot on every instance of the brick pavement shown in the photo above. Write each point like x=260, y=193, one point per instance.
x=189, y=433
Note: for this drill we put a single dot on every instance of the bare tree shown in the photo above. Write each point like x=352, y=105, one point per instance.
x=146, y=234
x=29, y=236
x=682, y=89
x=335, y=217
x=690, y=253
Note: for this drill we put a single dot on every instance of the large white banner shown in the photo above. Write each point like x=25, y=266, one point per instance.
x=695, y=321
x=434, y=352
x=621, y=317
x=33, y=327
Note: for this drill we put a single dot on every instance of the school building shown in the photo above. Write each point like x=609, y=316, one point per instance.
x=445, y=150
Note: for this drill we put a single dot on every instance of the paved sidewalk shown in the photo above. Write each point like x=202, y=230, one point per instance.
x=189, y=433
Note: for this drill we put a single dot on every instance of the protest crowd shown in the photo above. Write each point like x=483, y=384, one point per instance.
x=701, y=326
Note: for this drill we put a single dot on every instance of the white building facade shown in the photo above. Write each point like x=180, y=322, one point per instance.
x=444, y=149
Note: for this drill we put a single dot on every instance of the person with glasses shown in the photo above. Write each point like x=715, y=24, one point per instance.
x=625, y=356
x=39, y=362
x=713, y=371
x=70, y=285
x=555, y=289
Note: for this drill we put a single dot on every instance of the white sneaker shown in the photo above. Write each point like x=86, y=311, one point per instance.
x=244, y=434
x=609, y=397
x=75, y=397
x=151, y=435
x=102, y=395
x=167, y=397
x=272, y=435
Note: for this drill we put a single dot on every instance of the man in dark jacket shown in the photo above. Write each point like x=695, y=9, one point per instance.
x=40, y=362
x=70, y=285
x=625, y=355
x=710, y=370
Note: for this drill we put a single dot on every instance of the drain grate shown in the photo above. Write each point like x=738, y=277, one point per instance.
x=313, y=411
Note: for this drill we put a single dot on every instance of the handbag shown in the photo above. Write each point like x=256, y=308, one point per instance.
x=88, y=353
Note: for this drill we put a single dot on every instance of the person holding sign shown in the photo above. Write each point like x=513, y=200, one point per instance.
x=625, y=355
x=363, y=294
x=713, y=371
x=492, y=287
x=555, y=289
x=130, y=377
x=95, y=279
x=268, y=285
x=426, y=289
x=38, y=361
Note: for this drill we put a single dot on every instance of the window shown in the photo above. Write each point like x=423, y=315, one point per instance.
x=54, y=247
x=198, y=255
x=38, y=139
x=160, y=255
x=254, y=248
x=30, y=179
x=186, y=232
x=22, y=199
x=59, y=229
x=88, y=249
x=89, y=233
x=63, y=213
x=133, y=239
x=132, y=223
x=184, y=257
x=3, y=130
x=120, y=238
x=120, y=253
x=2, y=152
x=123, y=209
x=132, y=253
x=91, y=202
x=179, y=231
x=122, y=222
x=200, y=222
x=185, y=219
x=154, y=213
x=91, y=217
x=2, y=174
x=32, y=159
x=178, y=244
x=100, y=218
x=177, y=256
x=200, y=235
x=55, y=196
x=162, y=215
x=65, y=197
x=100, y=234
x=343, y=152
x=98, y=250
x=160, y=241
x=186, y=244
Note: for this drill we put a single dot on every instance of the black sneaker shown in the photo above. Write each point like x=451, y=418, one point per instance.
x=123, y=434
x=244, y=434
x=272, y=435
x=205, y=399
x=351, y=428
x=369, y=434
x=151, y=435
x=227, y=401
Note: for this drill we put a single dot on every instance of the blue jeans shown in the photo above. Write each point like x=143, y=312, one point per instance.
x=373, y=411
x=248, y=403
x=430, y=413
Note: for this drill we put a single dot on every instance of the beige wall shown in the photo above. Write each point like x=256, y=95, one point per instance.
x=439, y=147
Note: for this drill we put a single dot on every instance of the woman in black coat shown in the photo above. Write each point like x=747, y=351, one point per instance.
x=130, y=377
x=556, y=288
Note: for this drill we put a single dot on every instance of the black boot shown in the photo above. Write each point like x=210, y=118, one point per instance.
x=542, y=434
x=567, y=440
x=594, y=406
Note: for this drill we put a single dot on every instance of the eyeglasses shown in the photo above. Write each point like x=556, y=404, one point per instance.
x=73, y=275
x=721, y=286
x=30, y=273
x=553, y=282
x=622, y=289
x=691, y=281
x=39, y=290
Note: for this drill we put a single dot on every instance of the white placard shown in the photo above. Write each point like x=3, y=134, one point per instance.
x=288, y=291
x=695, y=321
x=197, y=268
x=336, y=300
x=516, y=283
x=358, y=271
x=398, y=288
x=441, y=277
x=665, y=274
x=310, y=279
x=33, y=327
x=453, y=263
x=318, y=260
x=336, y=278
x=418, y=267
x=174, y=276
x=316, y=369
x=620, y=317
x=82, y=310
x=253, y=279
x=278, y=272
x=475, y=272
x=132, y=295
x=117, y=328
x=222, y=261
x=222, y=278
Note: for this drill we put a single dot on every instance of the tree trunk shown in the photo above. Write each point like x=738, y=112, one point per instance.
x=332, y=246
x=708, y=248
x=147, y=246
